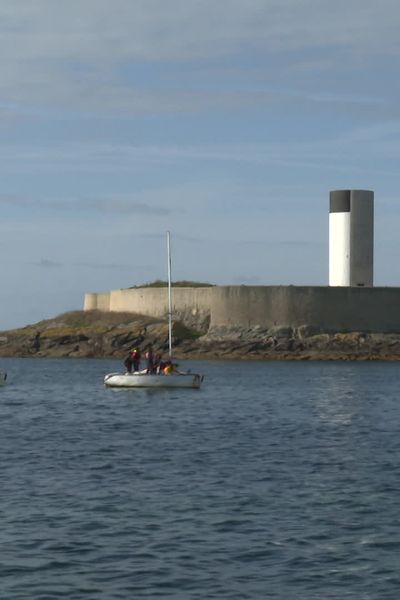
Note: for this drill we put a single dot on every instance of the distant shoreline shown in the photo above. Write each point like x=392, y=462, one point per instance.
x=96, y=334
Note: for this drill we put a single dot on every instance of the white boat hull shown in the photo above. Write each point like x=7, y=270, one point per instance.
x=143, y=380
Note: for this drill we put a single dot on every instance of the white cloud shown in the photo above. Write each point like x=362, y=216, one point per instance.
x=47, y=263
x=122, y=204
x=71, y=53
x=335, y=152
x=101, y=30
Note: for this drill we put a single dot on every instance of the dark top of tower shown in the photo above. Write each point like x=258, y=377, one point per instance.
x=339, y=200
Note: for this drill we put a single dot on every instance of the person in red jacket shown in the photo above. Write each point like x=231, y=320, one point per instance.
x=136, y=359
x=132, y=360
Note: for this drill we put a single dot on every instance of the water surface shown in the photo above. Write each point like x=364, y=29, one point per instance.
x=275, y=480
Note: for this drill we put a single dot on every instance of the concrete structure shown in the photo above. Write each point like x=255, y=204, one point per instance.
x=99, y=301
x=349, y=304
x=192, y=304
x=150, y=301
x=326, y=309
x=351, y=238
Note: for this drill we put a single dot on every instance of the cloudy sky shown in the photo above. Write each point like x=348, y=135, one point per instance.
x=226, y=122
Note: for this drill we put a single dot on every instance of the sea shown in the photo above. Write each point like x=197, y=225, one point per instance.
x=275, y=480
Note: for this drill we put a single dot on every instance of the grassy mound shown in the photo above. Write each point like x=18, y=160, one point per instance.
x=184, y=283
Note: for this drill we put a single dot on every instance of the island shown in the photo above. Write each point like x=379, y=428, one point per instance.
x=100, y=334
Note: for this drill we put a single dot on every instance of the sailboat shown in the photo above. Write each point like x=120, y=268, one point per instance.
x=152, y=380
x=3, y=377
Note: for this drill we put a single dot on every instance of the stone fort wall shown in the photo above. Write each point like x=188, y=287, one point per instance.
x=330, y=309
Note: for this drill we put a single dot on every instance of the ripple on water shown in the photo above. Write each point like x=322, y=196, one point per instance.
x=274, y=480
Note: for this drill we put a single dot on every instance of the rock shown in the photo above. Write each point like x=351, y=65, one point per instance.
x=97, y=334
x=280, y=332
x=305, y=331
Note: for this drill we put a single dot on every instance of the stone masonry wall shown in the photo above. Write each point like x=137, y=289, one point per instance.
x=327, y=309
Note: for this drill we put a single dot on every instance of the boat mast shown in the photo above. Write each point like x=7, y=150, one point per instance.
x=169, y=299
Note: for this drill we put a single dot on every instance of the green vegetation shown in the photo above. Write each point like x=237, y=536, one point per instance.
x=94, y=320
x=97, y=322
x=184, y=283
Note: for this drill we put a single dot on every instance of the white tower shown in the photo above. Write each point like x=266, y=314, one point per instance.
x=351, y=238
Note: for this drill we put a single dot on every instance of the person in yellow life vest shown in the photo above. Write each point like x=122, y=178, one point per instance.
x=169, y=368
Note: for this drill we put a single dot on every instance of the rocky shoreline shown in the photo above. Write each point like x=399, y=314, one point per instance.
x=95, y=334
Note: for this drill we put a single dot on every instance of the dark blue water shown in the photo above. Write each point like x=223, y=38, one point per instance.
x=276, y=480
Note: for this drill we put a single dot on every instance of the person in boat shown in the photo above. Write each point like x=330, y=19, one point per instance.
x=157, y=361
x=136, y=359
x=159, y=364
x=128, y=362
x=150, y=359
x=169, y=368
x=132, y=360
x=172, y=368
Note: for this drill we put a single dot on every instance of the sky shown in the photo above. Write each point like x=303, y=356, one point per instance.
x=226, y=122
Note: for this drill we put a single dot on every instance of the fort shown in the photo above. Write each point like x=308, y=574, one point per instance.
x=323, y=309
x=349, y=304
